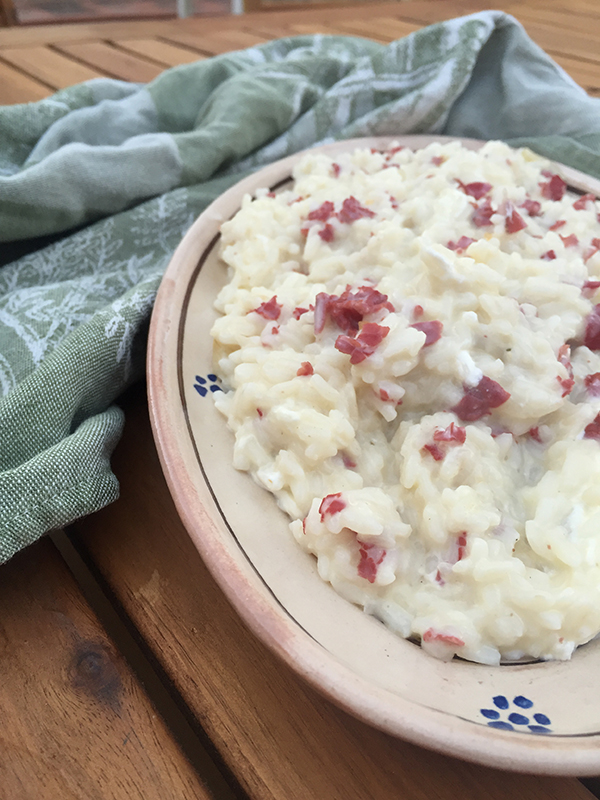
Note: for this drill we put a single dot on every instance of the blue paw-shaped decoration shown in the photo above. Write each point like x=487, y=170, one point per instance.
x=205, y=385
x=514, y=720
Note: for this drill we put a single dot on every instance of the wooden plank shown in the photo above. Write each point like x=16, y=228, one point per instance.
x=15, y=87
x=384, y=29
x=585, y=73
x=47, y=66
x=169, y=55
x=143, y=29
x=218, y=42
x=556, y=41
x=75, y=721
x=112, y=62
x=560, y=19
x=80, y=32
x=280, y=738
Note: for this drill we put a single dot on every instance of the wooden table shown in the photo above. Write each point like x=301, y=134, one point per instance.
x=124, y=671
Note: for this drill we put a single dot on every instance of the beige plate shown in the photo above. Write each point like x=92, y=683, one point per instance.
x=540, y=717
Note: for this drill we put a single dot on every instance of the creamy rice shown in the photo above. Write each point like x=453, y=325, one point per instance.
x=411, y=342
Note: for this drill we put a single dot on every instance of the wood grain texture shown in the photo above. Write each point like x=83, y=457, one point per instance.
x=279, y=737
x=16, y=87
x=584, y=73
x=215, y=43
x=112, y=62
x=76, y=725
x=49, y=67
x=164, y=53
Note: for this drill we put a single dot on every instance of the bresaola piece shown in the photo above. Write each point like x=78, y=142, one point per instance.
x=483, y=213
x=476, y=189
x=444, y=438
x=513, y=221
x=432, y=330
x=350, y=308
x=554, y=189
x=270, y=309
x=351, y=210
x=371, y=335
x=478, y=401
x=370, y=557
x=591, y=337
x=461, y=245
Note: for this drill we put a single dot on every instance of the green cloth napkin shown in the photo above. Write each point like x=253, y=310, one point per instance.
x=128, y=168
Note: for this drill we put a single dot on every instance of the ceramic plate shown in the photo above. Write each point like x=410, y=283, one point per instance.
x=536, y=717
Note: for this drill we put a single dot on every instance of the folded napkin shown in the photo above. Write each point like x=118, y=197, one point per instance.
x=113, y=174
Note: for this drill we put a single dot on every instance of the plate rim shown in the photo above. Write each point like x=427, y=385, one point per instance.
x=429, y=727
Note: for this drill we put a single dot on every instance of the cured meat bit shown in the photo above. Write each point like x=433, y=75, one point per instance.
x=327, y=233
x=349, y=308
x=331, y=504
x=591, y=336
x=438, y=160
x=554, y=189
x=480, y=400
x=418, y=311
x=558, y=224
x=431, y=635
x=592, y=431
x=371, y=557
x=453, y=433
x=583, y=201
x=563, y=356
x=592, y=384
x=461, y=542
x=352, y=210
x=532, y=207
x=271, y=194
x=439, y=579
x=432, y=330
x=304, y=526
x=306, y=368
x=298, y=311
x=370, y=337
x=259, y=412
x=513, y=222
x=594, y=247
x=477, y=189
x=349, y=463
x=567, y=385
x=483, y=213
x=323, y=213
x=393, y=202
x=569, y=241
x=434, y=451
x=392, y=152
x=270, y=309
x=550, y=255
x=461, y=245
x=534, y=433
x=336, y=169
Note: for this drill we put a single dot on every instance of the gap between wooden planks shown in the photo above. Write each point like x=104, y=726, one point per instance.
x=58, y=56
x=278, y=736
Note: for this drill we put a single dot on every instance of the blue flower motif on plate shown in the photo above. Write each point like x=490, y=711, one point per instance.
x=205, y=385
x=513, y=718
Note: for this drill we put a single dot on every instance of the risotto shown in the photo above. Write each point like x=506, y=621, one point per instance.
x=410, y=347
